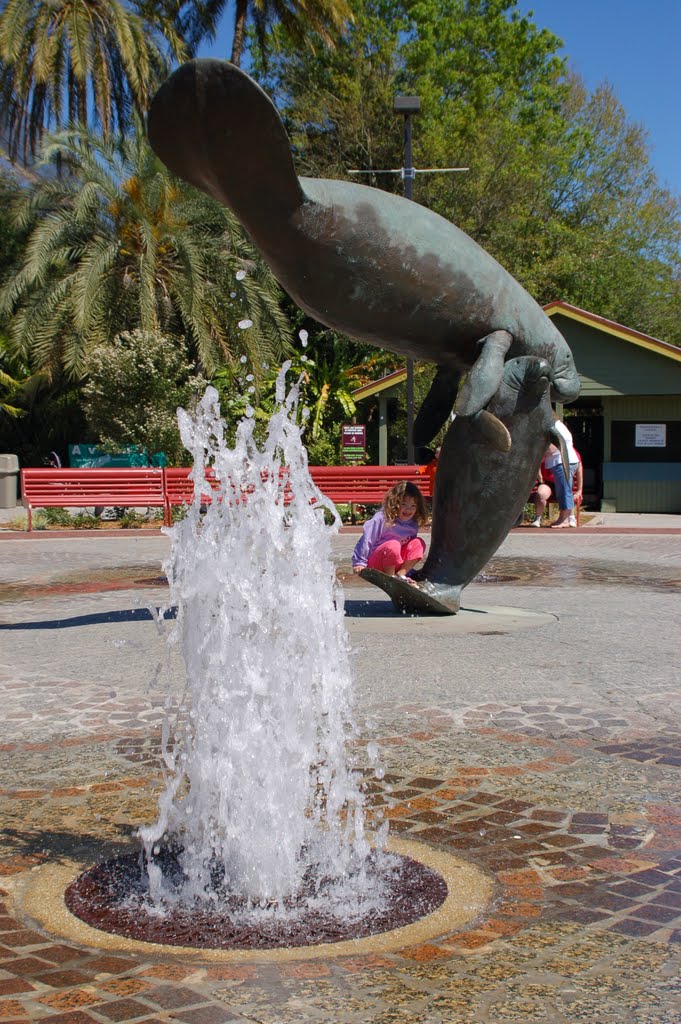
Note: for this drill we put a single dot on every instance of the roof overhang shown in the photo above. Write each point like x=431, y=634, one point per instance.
x=600, y=323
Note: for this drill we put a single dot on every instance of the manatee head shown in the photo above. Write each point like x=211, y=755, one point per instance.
x=565, y=383
x=530, y=374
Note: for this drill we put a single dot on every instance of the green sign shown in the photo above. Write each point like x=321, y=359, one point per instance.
x=89, y=456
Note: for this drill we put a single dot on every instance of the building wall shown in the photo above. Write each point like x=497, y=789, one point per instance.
x=609, y=365
x=648, y=484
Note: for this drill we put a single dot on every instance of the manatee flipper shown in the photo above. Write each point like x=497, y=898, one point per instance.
x=559, y=442
x=492, y=430
x=485, y=376
x=532, y=377
x=435, y=408
x=431, y=598
x=482, y=384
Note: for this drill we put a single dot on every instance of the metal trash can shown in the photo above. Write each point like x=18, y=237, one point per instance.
x=9, y=475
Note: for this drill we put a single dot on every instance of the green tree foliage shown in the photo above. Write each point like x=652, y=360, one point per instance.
x=326, y=379
x=337, y=106
x=133, y=390
x=607, y=236
x=44, y=415
x=120, y=244
x=560, y=187
x=305, y=23
x=12, y=381
x=11, y=239
x=90, y=61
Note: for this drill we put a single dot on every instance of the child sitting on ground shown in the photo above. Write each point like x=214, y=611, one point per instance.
x=389, y=540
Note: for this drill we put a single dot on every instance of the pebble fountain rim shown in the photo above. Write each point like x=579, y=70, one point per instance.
x=40, y=896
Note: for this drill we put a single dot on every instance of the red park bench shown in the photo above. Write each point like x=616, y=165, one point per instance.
x=80, y=488
x=180, y=490
x=342, y=484
x=367, y=484
x=168, y=488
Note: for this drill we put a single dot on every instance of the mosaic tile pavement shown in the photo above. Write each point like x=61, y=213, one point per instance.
x=570, y=803
x=585, y=924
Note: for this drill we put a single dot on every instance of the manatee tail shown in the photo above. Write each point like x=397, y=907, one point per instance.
x=422, y=598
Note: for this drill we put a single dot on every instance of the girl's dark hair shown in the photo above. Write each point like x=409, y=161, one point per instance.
x=392, y=500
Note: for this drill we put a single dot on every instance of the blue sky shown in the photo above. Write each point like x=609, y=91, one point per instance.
x=636, y=46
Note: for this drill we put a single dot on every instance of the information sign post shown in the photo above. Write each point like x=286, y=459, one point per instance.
x=353, y=443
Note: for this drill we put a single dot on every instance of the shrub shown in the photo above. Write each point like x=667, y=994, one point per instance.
x=55, y=517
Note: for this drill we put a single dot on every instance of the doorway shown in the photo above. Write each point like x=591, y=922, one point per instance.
x=584, y=420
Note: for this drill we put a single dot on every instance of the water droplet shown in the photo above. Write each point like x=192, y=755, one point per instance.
x=249, y=410
x=232, y=295
x=244, y=325
x=244, y=359
x=249, y=376
x=303, y=335
x=240, y=275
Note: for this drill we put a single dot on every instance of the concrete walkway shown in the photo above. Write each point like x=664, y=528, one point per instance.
x=544, y=749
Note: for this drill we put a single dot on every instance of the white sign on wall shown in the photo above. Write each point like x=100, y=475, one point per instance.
x=651, y=435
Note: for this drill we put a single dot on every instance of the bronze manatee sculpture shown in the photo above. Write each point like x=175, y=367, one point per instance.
x=372, y=265
x=387, y=271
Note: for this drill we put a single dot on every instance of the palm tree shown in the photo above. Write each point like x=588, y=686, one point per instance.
x=10, y=387
x=329, y=383
x=90, y=61
x=120, y=244
x=301, y=19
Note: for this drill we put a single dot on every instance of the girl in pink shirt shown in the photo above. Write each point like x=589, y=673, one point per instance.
x=389, y=540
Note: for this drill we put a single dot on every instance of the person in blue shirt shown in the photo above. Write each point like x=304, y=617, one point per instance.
x=390, y=541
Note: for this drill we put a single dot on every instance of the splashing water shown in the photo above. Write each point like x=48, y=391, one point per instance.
x=258, y=789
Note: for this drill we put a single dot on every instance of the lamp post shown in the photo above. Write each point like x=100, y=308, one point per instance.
x=407, y=106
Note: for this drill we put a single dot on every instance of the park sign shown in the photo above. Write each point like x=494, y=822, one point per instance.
x=353, y=442
x=651, y=435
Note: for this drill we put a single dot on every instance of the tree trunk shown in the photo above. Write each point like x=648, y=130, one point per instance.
x=239, y=30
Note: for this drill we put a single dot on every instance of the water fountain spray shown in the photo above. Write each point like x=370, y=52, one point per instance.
x=260, y=798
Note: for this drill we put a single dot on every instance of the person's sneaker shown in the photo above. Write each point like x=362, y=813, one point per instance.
x=536, y=522
x=572, y=521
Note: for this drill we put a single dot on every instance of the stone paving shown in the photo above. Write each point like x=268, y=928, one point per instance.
x=548, y=757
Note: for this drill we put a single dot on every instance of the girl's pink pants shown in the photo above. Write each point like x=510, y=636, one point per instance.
x=392, y=554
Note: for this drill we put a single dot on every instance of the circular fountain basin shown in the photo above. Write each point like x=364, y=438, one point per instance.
x=435, y=893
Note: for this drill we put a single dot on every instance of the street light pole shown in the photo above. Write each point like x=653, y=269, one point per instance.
x=408, y=105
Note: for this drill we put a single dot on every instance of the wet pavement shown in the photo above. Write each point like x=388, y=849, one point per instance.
x=547, y=757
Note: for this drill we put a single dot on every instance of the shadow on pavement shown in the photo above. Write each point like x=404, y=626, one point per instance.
x=125, y=615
